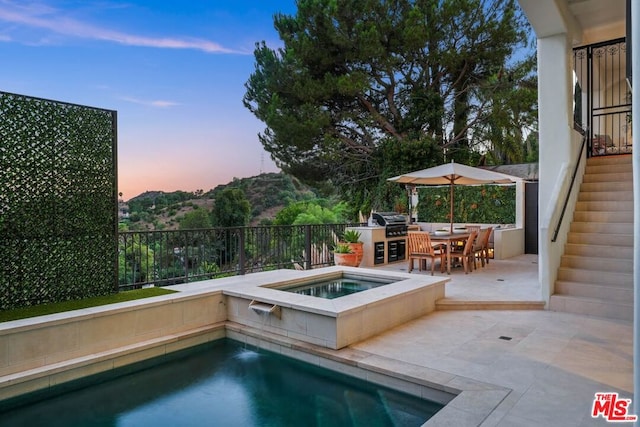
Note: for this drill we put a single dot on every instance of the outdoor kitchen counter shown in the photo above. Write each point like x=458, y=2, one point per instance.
x=377, y=247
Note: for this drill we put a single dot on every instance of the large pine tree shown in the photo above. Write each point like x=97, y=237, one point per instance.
x=366, y=89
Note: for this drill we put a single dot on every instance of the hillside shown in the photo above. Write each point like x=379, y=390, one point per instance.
x=267, y=194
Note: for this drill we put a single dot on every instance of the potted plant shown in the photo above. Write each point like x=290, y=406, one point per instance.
x=342, y=255
x=352, y=239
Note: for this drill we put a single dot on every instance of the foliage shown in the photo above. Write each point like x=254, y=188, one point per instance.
x=264, y=193
x=318, y=211
x=365, y=90
x=231, y=209
x=351, y=236
x=197, y=218
x=57, y=195
x=486, y=204
x=342, y=248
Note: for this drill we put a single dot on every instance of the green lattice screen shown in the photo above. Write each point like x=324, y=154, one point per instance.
x=58, y=198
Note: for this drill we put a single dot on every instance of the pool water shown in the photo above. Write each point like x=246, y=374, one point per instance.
x=336, y=288
x=226, y=384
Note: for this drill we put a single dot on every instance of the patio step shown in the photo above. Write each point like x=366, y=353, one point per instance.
x=458, y=304
x=614, y=265
x=621, y=294
x=608, y=177
x=620, y=166
x=607, y=186
x=610, y=160
x=606, y=205
x=602, y=227
x=601, y=239
x=600, y=251
x=596, y=307
x=596, y=216
x=605, y=196
x=595, y=276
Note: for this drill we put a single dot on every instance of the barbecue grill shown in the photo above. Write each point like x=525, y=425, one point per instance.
x=395, y=223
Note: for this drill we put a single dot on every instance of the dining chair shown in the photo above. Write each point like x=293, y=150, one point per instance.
x=485, y=244
x=466, y=254
x=479, y=246
x=421, y=248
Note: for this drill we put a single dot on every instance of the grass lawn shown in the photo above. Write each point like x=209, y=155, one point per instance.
x=58, y=307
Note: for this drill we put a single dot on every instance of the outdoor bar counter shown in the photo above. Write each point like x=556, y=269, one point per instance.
x=379, y=249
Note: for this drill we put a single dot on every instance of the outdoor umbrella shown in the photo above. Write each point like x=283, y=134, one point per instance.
x=453, y=174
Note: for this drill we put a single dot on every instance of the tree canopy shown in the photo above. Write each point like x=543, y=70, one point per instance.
x=366, y=89
x=232, y=209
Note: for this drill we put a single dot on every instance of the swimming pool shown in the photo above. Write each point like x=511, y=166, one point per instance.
x=339, y=287
x=227, y=384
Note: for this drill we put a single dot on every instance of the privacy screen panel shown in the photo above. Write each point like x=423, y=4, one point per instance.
x=58, y=201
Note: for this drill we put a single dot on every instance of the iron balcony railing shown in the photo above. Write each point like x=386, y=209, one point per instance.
x=602, y=97
x=162, y=258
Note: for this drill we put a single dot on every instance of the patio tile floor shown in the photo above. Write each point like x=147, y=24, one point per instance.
x=553, y=365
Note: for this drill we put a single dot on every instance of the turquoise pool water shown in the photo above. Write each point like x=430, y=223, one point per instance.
x=335, y=288
x=226, y=384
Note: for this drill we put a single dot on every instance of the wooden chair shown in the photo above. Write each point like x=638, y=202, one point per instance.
x=467, y=255
x=422, y=249
x=485, y=244
x=479, y=246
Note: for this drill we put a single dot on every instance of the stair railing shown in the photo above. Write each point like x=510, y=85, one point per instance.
x=573, y=179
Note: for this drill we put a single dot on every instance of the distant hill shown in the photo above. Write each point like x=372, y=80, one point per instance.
x=267, y=193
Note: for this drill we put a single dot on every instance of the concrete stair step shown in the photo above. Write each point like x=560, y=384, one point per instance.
x=602, y=239
x=590, y=216
x=601, y=227
x=590, y=290
x=618, y=279
x=591, y=307
x=605, y=206
x=458, y=304
x=614, y=265
x=606, y=186
x=605, y=196
x=609, y=160
x=608, y=177
x=607, y=168
x=599, y=251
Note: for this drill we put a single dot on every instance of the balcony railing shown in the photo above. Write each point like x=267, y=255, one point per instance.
x=162, y=258
x=603, y=97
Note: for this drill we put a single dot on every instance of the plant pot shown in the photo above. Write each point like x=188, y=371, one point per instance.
x=357, y=248
x=348, y=260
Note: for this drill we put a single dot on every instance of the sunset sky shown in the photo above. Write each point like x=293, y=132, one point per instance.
x=173, y=70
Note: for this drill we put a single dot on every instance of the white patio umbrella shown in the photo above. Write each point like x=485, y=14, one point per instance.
x=453, y=174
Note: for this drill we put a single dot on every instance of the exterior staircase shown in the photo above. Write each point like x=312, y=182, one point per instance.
x=596, y=272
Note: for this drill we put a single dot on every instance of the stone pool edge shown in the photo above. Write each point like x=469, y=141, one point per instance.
x=468, y=402
x=196, y=315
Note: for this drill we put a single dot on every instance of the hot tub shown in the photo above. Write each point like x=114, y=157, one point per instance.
x=261, y=304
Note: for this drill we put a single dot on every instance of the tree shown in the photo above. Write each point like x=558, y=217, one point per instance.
x=366, y=89
x=231, y=209
x=197, y=218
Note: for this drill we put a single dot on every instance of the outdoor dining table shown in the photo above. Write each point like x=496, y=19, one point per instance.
x=449, y=240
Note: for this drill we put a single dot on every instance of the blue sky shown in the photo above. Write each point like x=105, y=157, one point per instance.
x=174, y=70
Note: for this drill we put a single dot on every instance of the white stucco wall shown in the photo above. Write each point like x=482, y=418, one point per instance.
x=557, y=150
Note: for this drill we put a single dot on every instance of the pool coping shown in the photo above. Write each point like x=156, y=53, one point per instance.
x=474, y=401
x=468, y=402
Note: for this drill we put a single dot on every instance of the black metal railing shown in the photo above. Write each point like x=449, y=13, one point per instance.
x=556, y=231
x=602, y=88
x=172, y=257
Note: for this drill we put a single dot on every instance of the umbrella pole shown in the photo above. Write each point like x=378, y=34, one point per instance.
x=451, y=207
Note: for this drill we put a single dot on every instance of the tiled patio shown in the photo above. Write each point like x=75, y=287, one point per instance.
x=552, y=365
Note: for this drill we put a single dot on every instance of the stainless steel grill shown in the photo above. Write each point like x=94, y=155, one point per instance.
x=396, y=224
